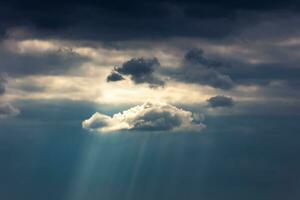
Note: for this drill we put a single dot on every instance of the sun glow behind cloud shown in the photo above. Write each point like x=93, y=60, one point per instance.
x=87, y=82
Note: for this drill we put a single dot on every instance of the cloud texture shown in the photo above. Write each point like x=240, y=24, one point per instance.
x=140, y=70
x=220, y=101
x=146, y=117
x=18, y=64
x=196, y=68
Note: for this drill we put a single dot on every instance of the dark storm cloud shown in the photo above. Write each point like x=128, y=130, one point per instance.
x=196, y=56
x=140, y=70
x=225, y=74
x=106, y=21
x=279, y=64
x=205, y=77
x=263, y=73
x=220, y=101
x=50, y=62
x=213, y=71
x=196, y=68
x=114, y=76
x=123, y=20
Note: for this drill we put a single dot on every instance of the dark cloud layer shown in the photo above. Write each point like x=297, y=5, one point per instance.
x=238, y=157
x=218, y=73
x=111, y=21
x=263, y=73
x=220, y=101
x=120, y=20
x=212, y=71
x=140, y=70
x=239, y=72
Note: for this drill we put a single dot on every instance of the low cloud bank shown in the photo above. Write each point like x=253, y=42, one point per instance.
x=146, y=117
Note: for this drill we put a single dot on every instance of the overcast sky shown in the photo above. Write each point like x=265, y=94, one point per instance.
x=149, y=99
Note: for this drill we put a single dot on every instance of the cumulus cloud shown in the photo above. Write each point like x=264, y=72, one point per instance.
x=220, y=101
x=7, y=110
x=140, y=70
x=146, y=117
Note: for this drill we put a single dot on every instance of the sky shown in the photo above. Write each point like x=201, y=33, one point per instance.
x=143, y=100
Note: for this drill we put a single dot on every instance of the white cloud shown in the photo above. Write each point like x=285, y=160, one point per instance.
x=147, y=117
x=7, y=110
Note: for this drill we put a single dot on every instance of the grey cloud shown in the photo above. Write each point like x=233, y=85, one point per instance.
x=204, y=76
x=195, y=68
x=7, y=110
x=220, y=101
x=218, y=73
x=147, y=117
x=50, y=62
x=2, y=84
x=200, y=70
x=140, y=70
x=196, y=56
x=114, y=76
x=242, y=71
x=262, y=73
x=31, y=87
